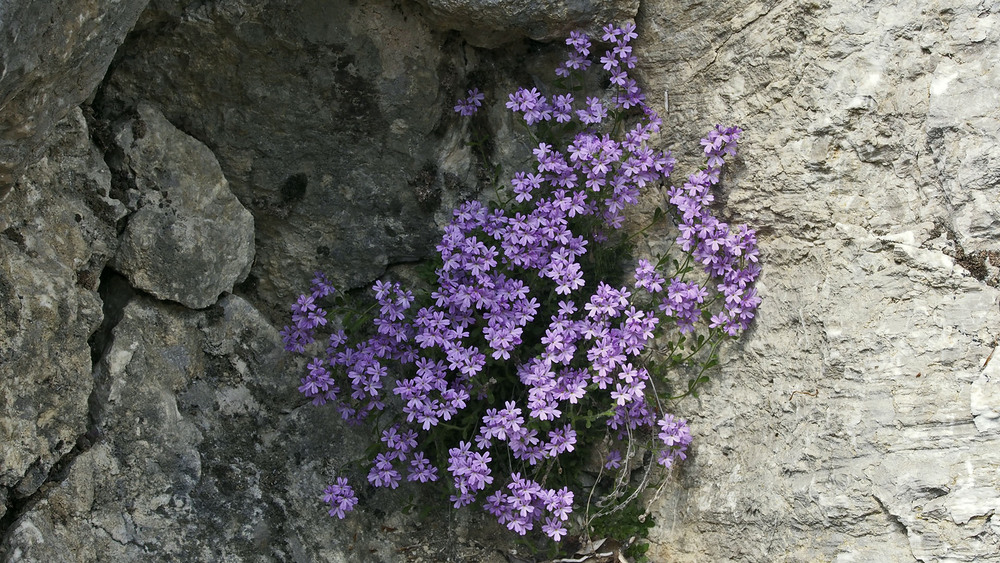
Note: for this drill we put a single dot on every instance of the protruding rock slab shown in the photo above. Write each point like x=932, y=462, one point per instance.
x=56, y=235
x=190, y=238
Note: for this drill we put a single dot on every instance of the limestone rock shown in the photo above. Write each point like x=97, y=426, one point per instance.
x=190, y=238
x=56, y=234
x=857, y=420
x=53, y=54
x=850, y=423
x=489, y=24
x=984, y=396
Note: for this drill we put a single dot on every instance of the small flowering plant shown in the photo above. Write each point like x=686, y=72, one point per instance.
x=530, y=351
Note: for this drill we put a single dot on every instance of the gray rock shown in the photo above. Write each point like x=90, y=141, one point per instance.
x=856, y=421
x=332, y=122
x=209, y=456
x=56, y=234
x=489, y=24
x=190, y=238
x=53, y=54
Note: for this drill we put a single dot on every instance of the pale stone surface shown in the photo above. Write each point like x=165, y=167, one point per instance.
x=189, y=239
x=985, y=396
x=53, y=54
x=855, y=422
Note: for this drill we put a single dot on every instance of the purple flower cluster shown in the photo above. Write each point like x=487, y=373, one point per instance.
x=675, y=436
x=471, y=472
x=728, y=255
x=340, y=496
x=617, y=60
x=512, y=308
x=307, y=316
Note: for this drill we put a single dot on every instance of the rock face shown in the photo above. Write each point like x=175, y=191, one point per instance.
x=489, y=24
x=332, y=123
x=190, y=238
x=858, y=420
x=56, y=235
x=208, y=456
x=53, y=54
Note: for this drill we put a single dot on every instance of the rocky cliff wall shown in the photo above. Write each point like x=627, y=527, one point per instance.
x=858, y=420
x=233, y=147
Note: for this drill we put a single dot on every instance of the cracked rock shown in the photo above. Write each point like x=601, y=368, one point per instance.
x=53, y=53
x=56, y=235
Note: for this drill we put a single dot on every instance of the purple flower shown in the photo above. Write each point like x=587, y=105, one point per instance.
x=321, y=286
x=340, y=496
x=530, y=103
x=646, y=277
x=675, y=436
x=614, y=460
x=469, y=106
x=524, y=183
x=561, y=440
x=421, y=469
x=628, y=32
x=580, y=42
x=611, y=33
x=594, y=113
x=382, y=473
x=562, y=108
x=445, y=353
x=470, y=472
x=554, y=529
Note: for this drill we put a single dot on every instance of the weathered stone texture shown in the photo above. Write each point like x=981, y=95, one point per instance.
x=489, y=24
x=331, y=122
x=53, y=54
x=858, y=420
x=56, y=235
x=854, y=421
x=190, y=238
x=209, y=455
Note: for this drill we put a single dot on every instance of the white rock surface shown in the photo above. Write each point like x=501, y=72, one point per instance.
x=856, y=421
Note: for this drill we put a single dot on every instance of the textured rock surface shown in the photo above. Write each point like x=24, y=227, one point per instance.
x=207, y=456
x=56, y=234
x=332, y=123
x=53, y=54
x=857, y=421
x=190, y=239
x=488, y=23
